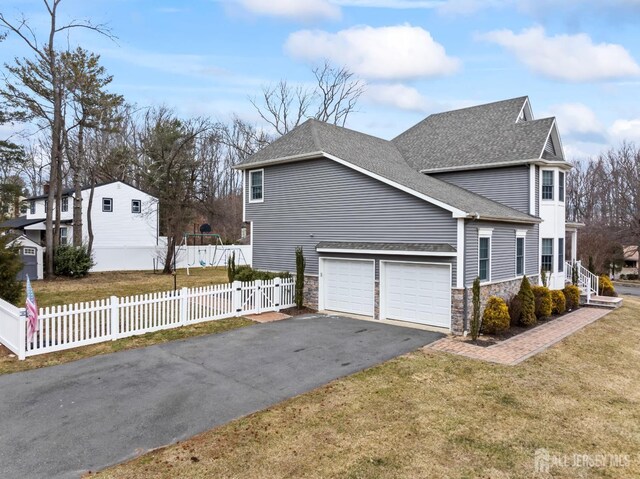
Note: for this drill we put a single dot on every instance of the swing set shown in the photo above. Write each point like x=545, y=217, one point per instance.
x=204, y=255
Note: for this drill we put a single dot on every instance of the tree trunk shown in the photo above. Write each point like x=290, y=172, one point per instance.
x=168, y=261
x=77, y=187
x=89, y=223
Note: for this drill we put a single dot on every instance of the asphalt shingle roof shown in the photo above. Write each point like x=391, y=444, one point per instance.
x=399, y=162
x=21, y=222
x=479, y=135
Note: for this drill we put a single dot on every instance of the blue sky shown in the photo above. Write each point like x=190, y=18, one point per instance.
x=578, y=60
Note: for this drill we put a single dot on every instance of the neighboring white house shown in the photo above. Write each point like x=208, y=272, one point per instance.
x=124, y=223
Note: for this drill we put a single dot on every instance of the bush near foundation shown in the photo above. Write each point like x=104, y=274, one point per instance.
x=495, y=318
x=572, y=297
x=528, y=314
x=606, y=286
x=558, y=302
x=542, y=297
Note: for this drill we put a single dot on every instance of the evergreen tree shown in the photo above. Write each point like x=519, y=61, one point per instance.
x=10, y=266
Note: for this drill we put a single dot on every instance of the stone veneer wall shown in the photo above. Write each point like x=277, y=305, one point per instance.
x=310, y=292
x=502, y=289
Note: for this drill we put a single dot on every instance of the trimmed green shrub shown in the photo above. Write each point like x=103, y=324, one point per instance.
x=572, y=297
x=247, y=273
x=72, y=261
x=475, y=313
x=558, y=302
x=543, y=278
x=605, y=286
x=10, y=266
x=515, y=309
x=300, y=266
x=542, y=297
x=528, y=315
x=495, y=318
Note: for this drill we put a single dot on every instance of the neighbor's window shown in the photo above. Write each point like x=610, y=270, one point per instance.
x=64, y=237
x=32, y=207
x=547, y=254
x=28, y=251
x=256, y=181
x=65, y=204
x=46, y=205
x=547, y=185
x=107, y=205
x=136, y=206
x=519, y=256
x=560, y=255
x=560, y=186
x=484, y=252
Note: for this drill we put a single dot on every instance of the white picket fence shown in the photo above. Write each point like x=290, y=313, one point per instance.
x=80, y=324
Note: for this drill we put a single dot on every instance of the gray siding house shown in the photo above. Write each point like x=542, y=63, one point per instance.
x=400, y=229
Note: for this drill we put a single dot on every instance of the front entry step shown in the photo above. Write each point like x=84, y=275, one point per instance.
x=607, y=302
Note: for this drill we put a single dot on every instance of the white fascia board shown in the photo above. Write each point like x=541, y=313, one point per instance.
x=526, y=107
x=456, y=213
x=386, y=252
x=278, y=161
x=553, y=133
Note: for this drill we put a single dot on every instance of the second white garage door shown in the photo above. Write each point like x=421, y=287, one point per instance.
x=416, y=292
x=348, y=285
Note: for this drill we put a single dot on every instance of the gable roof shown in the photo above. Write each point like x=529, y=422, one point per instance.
x=380, y=159
x=476, y=137
x=20, y=222
x=71, y=191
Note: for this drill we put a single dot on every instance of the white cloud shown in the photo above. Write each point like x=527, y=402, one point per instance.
x=625, y=130
x=577, y=118
x=388, y=53
x=296, y=9
x=397, y=95
x=572, y=58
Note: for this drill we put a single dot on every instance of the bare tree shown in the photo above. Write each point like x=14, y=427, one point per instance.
x=332, y=99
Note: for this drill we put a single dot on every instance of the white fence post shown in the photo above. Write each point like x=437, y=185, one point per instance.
x=115, y=317
x=277, y=293
x=258, y=295
x=237, y=297
x=184, y=305
x=22, y=335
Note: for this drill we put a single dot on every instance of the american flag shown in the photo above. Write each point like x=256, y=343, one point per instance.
x=32, y=311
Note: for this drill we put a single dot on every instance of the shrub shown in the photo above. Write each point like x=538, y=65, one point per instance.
x=10, y=266
x=231, y=267
x=558, y=302
x=606, y=286
x=528, y=315
x=542, y=297
x=632, y=277
x=623, y=276
x=495, y=318
x=515, y=309
x=72, y=261
x=300, y=265
x=572, y=296
x=247, y=273
x=475, y=313
x=543, y=278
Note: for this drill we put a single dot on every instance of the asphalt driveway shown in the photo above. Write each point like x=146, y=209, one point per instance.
x=630, y=289
x=65, y=420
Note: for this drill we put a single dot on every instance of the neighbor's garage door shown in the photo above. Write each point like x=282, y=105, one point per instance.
x=348, y=285
x=420, y=293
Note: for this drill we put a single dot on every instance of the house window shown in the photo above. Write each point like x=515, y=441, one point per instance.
x=560, y=255
x=519, y=256
x=28, y=251
x=32, y=207
x=64, y=237
x=65, y=204
x=256, y=181
x=547, y=185
x=560, y=186
x=107, y=205
x=46, y=205
x=484, y=253
x=136, y=206
x=547, y=254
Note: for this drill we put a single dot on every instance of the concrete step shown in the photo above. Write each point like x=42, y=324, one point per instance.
x=601, y=302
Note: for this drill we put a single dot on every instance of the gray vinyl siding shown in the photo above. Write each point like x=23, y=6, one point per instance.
x=320, y=200
x=537, y=190
x=503, y=250
x=508, y=185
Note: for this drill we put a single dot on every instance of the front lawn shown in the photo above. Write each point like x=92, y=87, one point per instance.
x=431, y=414
x=125, y=283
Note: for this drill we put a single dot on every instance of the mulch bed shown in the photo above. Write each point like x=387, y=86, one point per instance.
x=294, y=311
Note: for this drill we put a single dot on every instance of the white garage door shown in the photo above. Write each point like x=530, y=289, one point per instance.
x=348, y=285
x=420, y=293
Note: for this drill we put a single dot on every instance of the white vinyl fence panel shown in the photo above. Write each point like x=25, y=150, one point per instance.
x=81, y=324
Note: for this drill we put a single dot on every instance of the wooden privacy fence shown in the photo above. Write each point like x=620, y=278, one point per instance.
x=80, y=324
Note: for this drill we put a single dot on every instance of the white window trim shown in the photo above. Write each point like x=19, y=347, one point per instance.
x=27, y=251
x=523, y=237
x=561, y=250
x=251, y=200
x=107, y=211
x=139, y=207
x=65, y=201
x=564, y=187
x=482, y=233
x=555, y=185
x=553, y=254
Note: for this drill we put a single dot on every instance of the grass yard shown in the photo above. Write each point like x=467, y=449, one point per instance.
x=125, y=283
x=435, y=415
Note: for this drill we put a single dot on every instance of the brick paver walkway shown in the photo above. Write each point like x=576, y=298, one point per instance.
x=518, y=348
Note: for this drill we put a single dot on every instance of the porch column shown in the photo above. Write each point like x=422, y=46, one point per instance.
x=574, y=246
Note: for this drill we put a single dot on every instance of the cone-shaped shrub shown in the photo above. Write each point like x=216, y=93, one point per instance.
x=606, y=286
x=542, y=297
x=558, y=302
x=572, y=296
x=528, y=316
x=475, y=313
x=495, y=318
x=515, y=309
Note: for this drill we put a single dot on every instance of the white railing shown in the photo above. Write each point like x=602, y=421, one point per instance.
x=82, y=324
x=588, y=281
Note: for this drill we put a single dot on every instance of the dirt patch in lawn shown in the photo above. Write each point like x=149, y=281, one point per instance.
x=437, y=415
x=295, y=311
